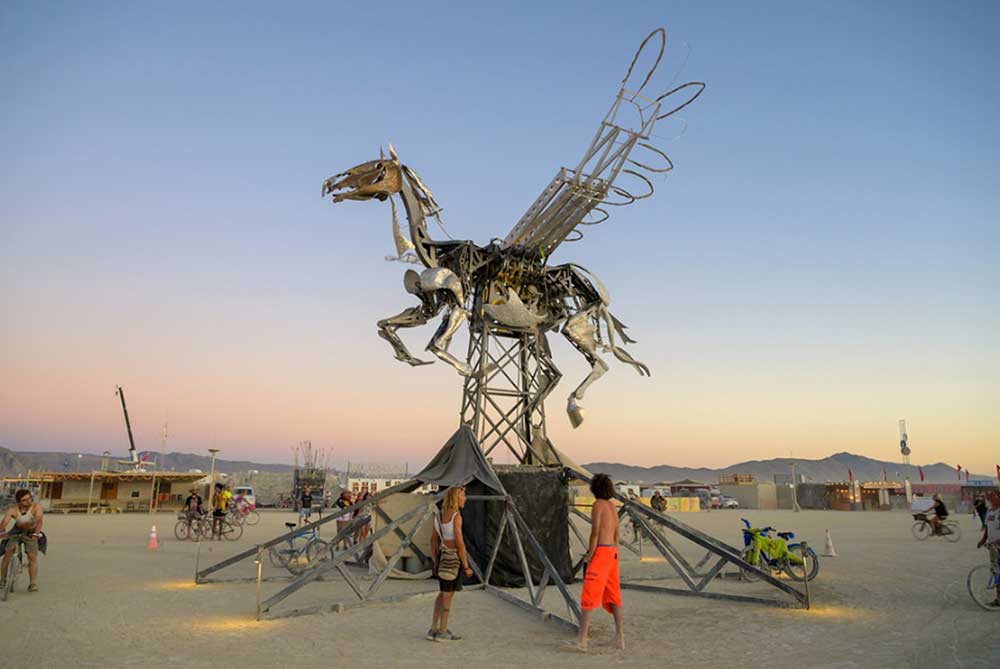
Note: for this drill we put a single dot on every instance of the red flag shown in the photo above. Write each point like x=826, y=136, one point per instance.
x=921, y=470
x=959, y=472
x=850, y=474
x=998, y=473
x=966, y=475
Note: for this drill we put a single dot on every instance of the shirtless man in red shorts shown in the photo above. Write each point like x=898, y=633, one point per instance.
x=601, y=583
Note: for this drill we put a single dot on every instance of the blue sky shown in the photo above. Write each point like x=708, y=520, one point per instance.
x=821, y=262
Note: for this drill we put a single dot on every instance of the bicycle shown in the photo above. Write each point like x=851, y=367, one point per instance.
x=299, y=552
x=922, y=529
x=243, y=514
x=770, y=554
x=17, y=565
x=982, y=584
x=192, y=526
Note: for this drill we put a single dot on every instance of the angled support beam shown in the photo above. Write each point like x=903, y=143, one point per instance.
x=407, y=540
x=496, y=549
x=571, y=602
x=350, y=581
x=399, y=533
x=709, y=595
x=321, y=568
x=658, y=543
x=528, y=581
x=406, y=486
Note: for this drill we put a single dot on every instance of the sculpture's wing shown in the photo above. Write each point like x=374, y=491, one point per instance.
x=579, y=196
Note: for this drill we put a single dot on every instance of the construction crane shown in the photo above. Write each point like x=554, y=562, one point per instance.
x=133, y=462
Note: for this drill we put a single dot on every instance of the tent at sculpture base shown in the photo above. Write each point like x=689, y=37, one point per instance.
x=541, y=497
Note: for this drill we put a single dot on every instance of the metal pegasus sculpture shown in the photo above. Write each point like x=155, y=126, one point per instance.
x=508, y=284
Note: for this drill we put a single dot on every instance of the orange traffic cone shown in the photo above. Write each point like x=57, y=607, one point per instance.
x=829, y=550
x=153, y=543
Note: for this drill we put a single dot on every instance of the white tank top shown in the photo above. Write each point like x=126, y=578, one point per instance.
x=446, y=530
x=26, y=518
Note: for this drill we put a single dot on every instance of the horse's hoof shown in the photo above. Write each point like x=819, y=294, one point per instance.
x=575, y=412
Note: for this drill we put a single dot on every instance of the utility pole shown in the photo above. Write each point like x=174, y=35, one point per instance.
x=211, y=489
x=795, y=491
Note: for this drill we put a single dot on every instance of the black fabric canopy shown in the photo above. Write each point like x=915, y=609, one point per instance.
x=459, y=461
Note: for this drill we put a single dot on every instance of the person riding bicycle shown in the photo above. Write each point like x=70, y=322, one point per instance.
x=939, y=512
x=991, y=539
x=27, y=530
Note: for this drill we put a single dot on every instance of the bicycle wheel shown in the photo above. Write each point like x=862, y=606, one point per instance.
x=982, y=587
x=955, y=533
x=316, y=550
x=252, y=518
x=797, y=572
x=921, y=530
x=279, y=556
x=231, y=531
x=182, y=530
x=747, y=574
x=205, y=525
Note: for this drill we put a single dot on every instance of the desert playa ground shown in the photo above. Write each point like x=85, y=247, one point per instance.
x=106, y=600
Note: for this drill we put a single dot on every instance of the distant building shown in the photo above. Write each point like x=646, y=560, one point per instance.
x=106, y=491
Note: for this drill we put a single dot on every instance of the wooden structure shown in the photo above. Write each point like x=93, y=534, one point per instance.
x=102, y=491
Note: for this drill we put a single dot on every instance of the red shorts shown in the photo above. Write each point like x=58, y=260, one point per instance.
x=601, y=584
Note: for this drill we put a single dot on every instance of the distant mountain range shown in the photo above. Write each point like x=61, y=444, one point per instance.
x=832, y=468
x=19, y=462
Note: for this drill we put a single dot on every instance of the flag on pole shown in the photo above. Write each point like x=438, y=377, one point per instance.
x=850, y=474
x=966, y=475
x=959, y=472
x=921, y=471
x=998, y=473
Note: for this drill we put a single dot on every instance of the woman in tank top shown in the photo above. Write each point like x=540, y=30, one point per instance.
x=451, y=563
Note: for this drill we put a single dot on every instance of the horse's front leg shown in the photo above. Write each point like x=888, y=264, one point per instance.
x=408, y=318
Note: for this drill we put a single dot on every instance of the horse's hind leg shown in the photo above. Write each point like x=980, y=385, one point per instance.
x=582, y=333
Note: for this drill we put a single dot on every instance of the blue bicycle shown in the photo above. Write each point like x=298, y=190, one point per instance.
x=776, y=554
x=982, y=583
x=299, y=551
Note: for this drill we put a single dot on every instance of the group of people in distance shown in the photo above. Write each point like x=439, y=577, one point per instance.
x=601, y=583
x=222, y=502
x=344, y=501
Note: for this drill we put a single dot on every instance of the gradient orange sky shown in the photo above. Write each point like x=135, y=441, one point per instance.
x=821, y=263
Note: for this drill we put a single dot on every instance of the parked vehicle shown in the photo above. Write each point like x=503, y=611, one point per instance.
x=729, y=503
x=246, y=492
x=776, y=554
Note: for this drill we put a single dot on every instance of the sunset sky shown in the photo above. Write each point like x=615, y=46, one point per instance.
x=821, y=263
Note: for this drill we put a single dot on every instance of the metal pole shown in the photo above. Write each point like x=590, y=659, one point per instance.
x=211, y=485
x=90, y=492
x=805, y=569
x=260, y=571
x=152, y=493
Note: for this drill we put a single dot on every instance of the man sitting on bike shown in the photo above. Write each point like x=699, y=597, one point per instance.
x=192, y=504
x=27, y=517
x=938, y=513
x=991, y=539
